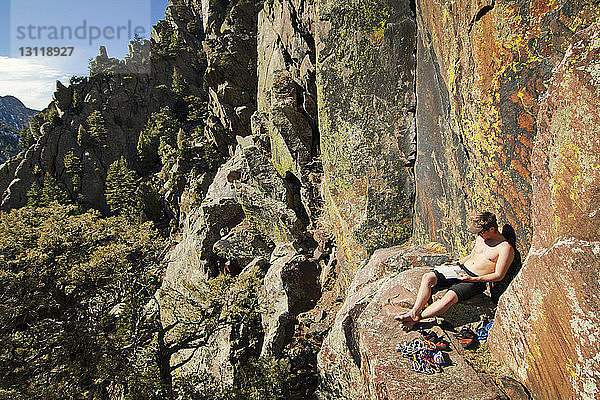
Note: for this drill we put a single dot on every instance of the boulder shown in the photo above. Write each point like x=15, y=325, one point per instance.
x=63, y=97
x=293, y=142
x=358, y=358
x=291, y=286
x=546, y=329
x=192, y=259
x=366, y=98
x=271, y=203
x=241, y=246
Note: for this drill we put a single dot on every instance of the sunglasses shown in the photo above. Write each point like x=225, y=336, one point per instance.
x=483, y=230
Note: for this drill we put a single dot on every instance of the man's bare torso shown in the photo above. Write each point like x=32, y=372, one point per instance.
x=485, y=255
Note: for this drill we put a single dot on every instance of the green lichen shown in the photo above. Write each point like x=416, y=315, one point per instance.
x=359, y=120
x=281, y=156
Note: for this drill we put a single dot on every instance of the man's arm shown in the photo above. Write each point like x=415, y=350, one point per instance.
x=505, y=259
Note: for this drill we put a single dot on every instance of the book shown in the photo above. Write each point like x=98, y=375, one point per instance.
x=451, y=271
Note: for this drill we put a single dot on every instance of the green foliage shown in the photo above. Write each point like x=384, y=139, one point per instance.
x=197, y=109
x=52, y=116
x=25, y=136
x=48, y=193
x=161, y=129
x=149, y=203
x=264, y=378
x=74, y=169
x=169, y=43
x=29, y=135
x=72, y=294
x=9, y=144
x=97, y=127
x=121, y=187
x=178, y=85
x=216, y=304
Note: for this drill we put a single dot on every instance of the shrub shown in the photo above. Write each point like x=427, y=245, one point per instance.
x=72, y=296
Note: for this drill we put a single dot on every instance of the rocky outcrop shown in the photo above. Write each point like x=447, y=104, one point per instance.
x=247, y=198
x=290, y=287
x=408, y=115
x=481, y=70
x=287, y=94
x=545, y=328
x=241, y=246
x=96, y=120
x=366, y=98
x=358, y=358
x=230, y=47
x=271, y=204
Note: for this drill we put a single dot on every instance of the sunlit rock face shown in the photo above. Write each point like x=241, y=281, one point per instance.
x=482, y=67
x=366, y=101
x=546, y=323
x=358, y=359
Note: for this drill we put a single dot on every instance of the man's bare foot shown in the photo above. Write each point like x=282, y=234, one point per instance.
x=408, y=320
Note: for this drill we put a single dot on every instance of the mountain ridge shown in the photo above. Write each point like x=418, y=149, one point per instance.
x=13, y=117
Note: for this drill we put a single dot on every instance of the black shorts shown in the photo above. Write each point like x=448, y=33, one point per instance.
x=463, y=290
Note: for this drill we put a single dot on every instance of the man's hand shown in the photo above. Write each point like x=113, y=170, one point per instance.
x=468, y=278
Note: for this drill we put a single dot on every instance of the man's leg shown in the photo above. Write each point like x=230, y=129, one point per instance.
x=414, y=315
x=440, y=306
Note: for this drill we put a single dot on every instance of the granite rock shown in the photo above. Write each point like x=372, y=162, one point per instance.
x=366, y=100
x=291, y=286
x=546, y=321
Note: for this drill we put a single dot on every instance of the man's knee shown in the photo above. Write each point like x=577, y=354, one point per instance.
x=450, y=298
x=429, y=279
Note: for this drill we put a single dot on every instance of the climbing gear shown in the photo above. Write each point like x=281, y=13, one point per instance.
x=432, y=337
x=483, y=328
x=425, y=354
x=467, y=337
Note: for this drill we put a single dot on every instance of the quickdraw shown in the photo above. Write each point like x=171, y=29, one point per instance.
x=425, y=355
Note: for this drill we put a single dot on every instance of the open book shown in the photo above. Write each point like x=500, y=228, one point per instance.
x=451, y=271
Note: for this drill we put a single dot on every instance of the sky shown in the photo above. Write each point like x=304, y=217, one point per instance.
x=76, y=28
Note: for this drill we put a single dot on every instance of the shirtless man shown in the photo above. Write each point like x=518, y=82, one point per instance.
x=488, y=262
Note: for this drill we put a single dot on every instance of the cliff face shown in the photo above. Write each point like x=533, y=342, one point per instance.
x=482, y=68
x=366, y=98
x=368, y=122
x=549, y=314
x=500, y=113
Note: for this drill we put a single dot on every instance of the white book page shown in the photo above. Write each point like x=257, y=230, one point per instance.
x=450, y=271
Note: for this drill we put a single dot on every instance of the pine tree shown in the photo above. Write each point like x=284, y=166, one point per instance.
x=178, y=85
x=97, y=127
x=48, y=193
x=161, y=124
x=74, y=168
x=121, y=186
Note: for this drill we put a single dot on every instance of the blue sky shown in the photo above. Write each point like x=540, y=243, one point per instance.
x=82, y=25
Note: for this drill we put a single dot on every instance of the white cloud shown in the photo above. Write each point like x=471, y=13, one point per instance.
x=29, y=80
